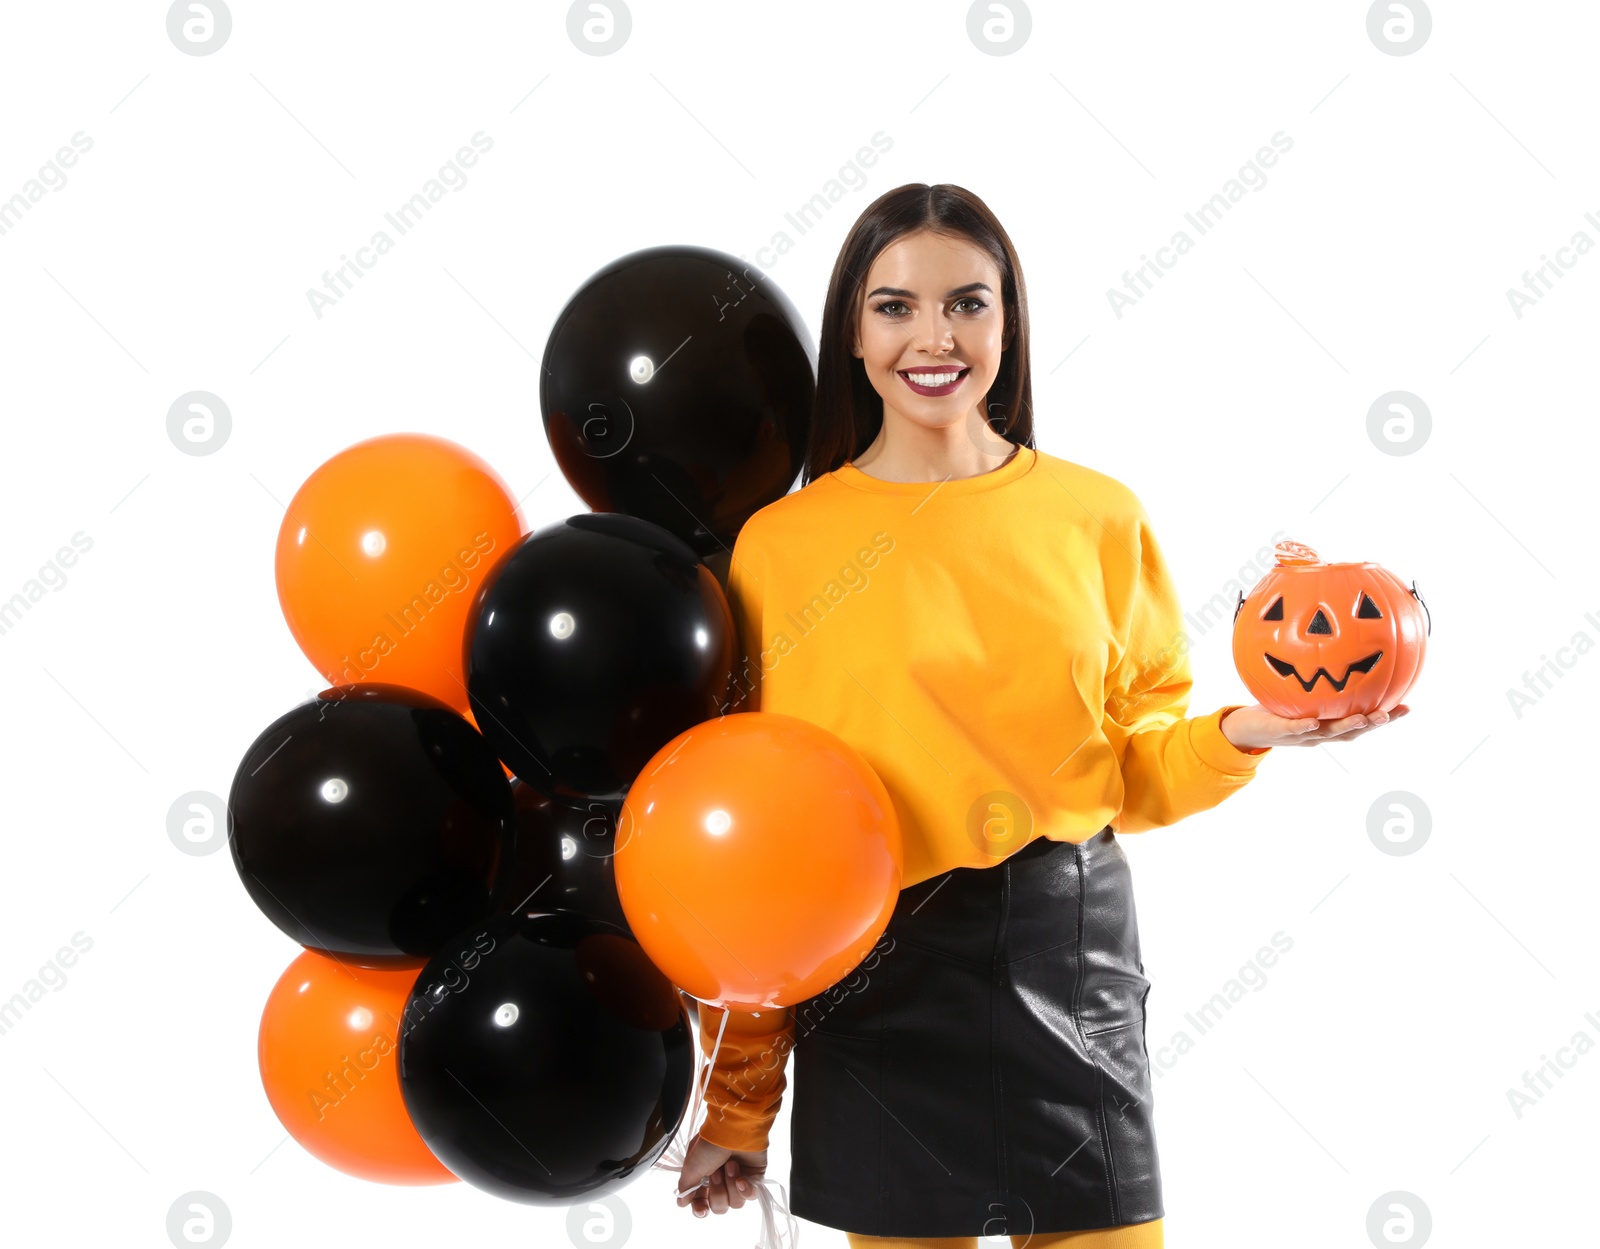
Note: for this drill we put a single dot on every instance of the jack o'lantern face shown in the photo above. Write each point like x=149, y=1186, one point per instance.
x=1327, y=640
x=1316, y=630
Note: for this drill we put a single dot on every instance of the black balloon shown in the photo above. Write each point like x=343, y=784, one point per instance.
x=591, y=644
x=564, y=857
x=677, y=387
x=544, y=1058
x=372, y=822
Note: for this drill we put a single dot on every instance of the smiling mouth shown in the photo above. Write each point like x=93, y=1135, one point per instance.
x=1287, y=670
x=934, y=381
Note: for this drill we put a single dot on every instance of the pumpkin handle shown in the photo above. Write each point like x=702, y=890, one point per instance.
x=1417, y=594
x=1239, y=606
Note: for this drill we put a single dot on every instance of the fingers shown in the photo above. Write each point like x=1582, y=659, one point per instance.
x=694, y=1197
x=717, y=1194
x=1349, y=728
x=710, y=1198
x=1354, y=726
x=726, y=1188
x=739, y=1189
x=694, y=1176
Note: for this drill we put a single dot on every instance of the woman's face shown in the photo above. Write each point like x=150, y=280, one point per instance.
x=930, y=328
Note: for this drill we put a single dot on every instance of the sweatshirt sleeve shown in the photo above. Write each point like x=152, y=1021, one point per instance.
x=747, y=1076
x=1172, y=766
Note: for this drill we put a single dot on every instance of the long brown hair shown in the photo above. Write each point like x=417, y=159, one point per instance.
x=847, y=412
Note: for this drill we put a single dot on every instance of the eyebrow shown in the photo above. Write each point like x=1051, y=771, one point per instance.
x=960, y=290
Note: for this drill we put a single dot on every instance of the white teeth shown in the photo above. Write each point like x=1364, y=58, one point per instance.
x=934, y=379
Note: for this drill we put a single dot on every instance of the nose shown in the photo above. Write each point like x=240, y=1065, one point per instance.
x=936, y=335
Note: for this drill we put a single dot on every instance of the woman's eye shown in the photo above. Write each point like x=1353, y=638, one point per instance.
x=896, y=308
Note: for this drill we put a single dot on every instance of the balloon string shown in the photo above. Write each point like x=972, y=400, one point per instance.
x=675, y=1153
x=673, y=1157
x=771, y=1238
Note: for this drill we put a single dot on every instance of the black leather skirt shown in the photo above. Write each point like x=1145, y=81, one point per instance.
x=983, y=1071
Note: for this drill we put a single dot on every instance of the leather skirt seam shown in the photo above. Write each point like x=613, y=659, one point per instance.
x=928, y=949
x=1116, y=1027
x=1022, y=958
x=1077, y=1019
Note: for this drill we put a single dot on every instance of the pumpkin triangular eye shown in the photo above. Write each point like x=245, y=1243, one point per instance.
x=1275, y=612
x=1368, y=609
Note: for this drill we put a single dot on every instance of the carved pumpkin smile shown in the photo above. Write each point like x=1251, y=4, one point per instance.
x=1286, y=669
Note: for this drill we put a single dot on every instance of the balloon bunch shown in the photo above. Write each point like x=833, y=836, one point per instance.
x=526, y=829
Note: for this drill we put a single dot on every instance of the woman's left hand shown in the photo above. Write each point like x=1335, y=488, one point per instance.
x=1254, y=727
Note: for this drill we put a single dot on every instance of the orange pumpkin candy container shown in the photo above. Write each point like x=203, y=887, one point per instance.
x=1328, y=640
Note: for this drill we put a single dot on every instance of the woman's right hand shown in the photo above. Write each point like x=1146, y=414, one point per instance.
x=727, y=1169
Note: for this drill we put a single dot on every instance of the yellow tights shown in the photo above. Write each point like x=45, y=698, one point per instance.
x=1128, y=1236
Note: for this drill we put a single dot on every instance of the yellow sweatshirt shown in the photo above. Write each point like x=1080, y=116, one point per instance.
x=1007, y=651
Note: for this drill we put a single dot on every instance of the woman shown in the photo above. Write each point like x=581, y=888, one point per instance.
x=995, y=631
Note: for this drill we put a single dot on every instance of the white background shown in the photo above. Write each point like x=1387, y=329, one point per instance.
x=1233, y=399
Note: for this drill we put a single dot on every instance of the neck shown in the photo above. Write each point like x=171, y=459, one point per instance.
x=907, y=451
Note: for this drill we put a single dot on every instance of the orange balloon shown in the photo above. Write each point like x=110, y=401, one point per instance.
x=380, y=554
x=758, y=859
x=329, y=1050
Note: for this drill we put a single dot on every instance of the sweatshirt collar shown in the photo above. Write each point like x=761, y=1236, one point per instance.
x=1017, y=466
